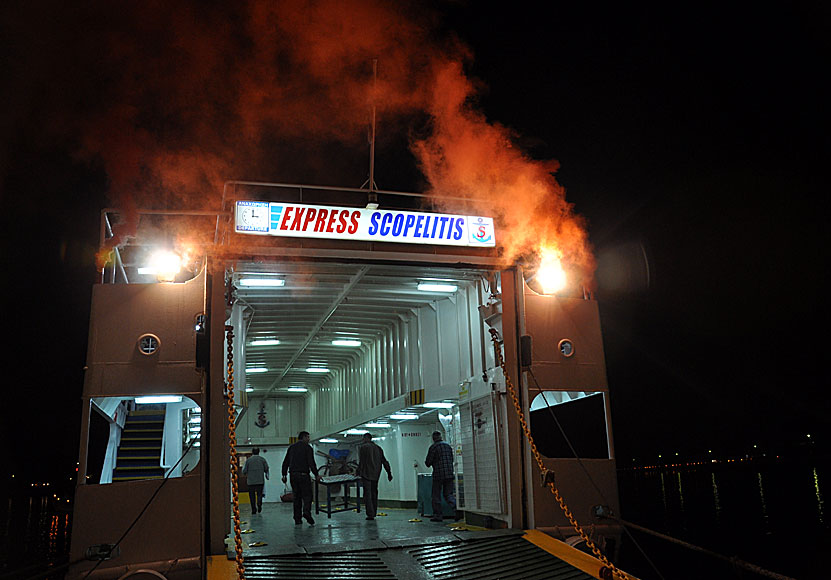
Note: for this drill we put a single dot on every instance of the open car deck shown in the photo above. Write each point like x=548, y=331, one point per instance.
x=397, y=545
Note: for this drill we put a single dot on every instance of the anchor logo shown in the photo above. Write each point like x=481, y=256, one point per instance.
x=262, y=422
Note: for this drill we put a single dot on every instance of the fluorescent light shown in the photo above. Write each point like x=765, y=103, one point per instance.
x=354, y=432
x=434, y=287
x=438, y=405
x=327, y=441
x=195, y=420
x=249, y=389
x=297, y=389
x=256, y=370
x=158, y=399
x=344, y=342
x=403, y=416
x=262, y=282
x=377, y=425
x=317, y=370
x=264, y=342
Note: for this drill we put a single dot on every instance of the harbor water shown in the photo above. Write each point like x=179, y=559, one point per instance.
x=770, y=513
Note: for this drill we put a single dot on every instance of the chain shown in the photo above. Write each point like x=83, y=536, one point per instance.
x=232, y=439
x=548, y=481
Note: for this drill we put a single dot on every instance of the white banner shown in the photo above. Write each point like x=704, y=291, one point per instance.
x=371, y=225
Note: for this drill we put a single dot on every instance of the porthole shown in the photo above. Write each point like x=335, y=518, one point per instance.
x=566, y=347
x=148, y=344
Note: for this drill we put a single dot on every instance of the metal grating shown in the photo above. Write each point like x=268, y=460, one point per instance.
x=350, y=565
x=502, y=558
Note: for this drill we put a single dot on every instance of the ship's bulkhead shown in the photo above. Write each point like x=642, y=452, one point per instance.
x=144, y=391
x=336, y=349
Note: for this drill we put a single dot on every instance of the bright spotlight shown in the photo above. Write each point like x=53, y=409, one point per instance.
x=164, y=264
x=550, y=274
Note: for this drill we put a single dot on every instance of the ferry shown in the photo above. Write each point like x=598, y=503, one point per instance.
x=337, y=311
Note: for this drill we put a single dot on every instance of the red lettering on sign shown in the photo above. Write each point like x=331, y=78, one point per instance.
x=295, y=224
x=353, y=227
x=342, y=222
x=310, y=216
x=331, y=222
x=285, y=221
x=320, y=224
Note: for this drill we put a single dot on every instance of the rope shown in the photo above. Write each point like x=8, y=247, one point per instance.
x=732, y=560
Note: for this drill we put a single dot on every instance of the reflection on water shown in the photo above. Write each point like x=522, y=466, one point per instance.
x=763, y=512
x=35, y=532
x=765, y=518
x=819, y=497
x=716, y=503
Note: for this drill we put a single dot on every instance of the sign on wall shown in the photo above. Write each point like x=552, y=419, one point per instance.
x=371, y=225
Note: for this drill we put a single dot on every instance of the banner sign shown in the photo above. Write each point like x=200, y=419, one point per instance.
x=369, y=225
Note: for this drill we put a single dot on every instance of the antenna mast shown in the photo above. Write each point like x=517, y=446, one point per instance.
x=373, y=196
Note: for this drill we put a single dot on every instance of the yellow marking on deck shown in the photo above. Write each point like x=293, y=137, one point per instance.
x=580, y=560
x=221, y=568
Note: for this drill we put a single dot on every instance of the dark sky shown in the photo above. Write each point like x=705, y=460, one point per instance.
x=693, y=140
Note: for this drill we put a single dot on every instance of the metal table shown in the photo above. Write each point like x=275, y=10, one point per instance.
x=329, y=481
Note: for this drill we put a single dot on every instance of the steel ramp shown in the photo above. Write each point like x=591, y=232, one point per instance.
x=498, y=555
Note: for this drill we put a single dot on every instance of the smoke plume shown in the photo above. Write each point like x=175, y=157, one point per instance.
x=190, y=94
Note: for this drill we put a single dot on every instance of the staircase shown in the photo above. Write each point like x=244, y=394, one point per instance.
x=139, y=453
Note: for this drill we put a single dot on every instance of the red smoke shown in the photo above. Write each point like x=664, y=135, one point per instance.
x=198, y=93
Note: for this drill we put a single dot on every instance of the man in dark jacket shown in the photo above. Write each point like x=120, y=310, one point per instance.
x=440, y=458
x=370, y=460
x=298, y=462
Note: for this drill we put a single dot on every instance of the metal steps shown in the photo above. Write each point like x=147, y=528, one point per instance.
x=139, y=453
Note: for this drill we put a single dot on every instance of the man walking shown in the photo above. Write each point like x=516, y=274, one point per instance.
x=298, y=462
x=440, y=458
x=255, y=468
x=370, y=459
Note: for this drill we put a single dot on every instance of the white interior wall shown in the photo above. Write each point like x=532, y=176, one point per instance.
x=439, y=348
x=285, y=417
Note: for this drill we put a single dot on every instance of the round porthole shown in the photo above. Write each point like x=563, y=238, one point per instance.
x=566, y=347
x=148, y=344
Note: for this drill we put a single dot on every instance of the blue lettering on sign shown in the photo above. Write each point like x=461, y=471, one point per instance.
x=457, y=235
x=388, y=224
x=373, y=223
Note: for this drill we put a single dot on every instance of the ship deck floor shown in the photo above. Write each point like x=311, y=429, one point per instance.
x=342, y=531
x=392, y=547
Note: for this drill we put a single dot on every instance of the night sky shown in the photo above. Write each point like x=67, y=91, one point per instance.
x=693, y=141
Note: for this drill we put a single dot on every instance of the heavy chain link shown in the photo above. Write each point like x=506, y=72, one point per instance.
x=615, y=572
x=232, y=440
